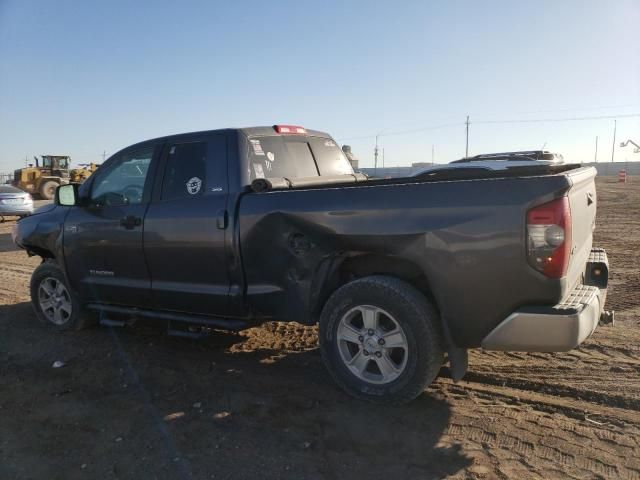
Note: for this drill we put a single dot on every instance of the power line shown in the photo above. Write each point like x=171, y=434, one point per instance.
x=402, y=132
x=567, y=119
x=489, y=122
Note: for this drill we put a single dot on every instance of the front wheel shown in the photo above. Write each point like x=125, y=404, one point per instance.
x=53, y=301
x=381, y=340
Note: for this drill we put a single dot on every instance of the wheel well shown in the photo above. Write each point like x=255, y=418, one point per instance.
x=41, y=252
x=364, y=265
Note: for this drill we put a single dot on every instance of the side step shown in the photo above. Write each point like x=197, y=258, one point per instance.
x=597, y=269
x=201, y=320
x=197, y=333
x=105, y=322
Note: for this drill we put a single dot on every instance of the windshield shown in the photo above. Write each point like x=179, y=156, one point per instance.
x=294, y=156
x=58, y=162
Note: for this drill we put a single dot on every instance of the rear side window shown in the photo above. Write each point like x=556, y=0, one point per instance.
x=294, y=156
x=185, y=173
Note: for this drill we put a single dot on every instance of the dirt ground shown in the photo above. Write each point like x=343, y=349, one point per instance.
x=136, y=404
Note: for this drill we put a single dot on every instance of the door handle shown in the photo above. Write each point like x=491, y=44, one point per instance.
x=221, y=219
x=130, y=222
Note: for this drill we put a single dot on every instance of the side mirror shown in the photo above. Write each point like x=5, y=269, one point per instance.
x=67, y=195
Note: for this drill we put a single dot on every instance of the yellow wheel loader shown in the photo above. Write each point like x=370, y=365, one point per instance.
x=49, y=172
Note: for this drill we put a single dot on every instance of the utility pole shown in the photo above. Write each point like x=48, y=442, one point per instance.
x=595, y=157
x=613, y=146
x=382, y=157
x=104, y=155
x=433, y=153
x=466, y=150
x=375, y=155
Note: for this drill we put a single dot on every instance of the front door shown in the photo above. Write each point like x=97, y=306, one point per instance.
x=103, y=238
x=186, y=229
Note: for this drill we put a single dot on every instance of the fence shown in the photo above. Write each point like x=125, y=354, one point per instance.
x=6, y=178
x=612, y=168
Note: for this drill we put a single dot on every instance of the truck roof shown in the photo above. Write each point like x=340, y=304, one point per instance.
x=247, y=131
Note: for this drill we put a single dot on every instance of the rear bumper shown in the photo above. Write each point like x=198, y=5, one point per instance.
x=17, y=210
x=561, y=327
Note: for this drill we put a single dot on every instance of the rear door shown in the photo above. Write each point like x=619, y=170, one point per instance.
x=186, y=228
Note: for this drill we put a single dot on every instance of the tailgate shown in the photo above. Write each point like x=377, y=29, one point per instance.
x=582, y=202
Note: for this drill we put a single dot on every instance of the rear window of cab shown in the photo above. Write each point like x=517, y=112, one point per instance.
x=295, y=156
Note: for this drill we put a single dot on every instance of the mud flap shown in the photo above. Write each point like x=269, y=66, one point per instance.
x=458, y=357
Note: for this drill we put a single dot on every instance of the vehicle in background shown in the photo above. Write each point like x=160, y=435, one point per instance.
x=14, y=202
x=84, y=171
x=49, y=173
x=231, y=228
x=517, y=161
x=353, y=160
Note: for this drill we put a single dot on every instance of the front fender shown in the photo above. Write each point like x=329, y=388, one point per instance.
x=42, y=233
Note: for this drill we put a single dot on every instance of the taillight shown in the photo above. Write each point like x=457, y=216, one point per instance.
x=549, y=237
x=290, y=129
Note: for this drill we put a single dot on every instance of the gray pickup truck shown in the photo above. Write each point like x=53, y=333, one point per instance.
x=230, y=228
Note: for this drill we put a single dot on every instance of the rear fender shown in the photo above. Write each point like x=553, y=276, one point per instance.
x=338, y=270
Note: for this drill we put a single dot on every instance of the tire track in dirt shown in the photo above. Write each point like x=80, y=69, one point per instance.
x=545, y=434
x=542, y=386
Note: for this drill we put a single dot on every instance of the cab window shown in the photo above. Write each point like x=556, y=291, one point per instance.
x=122, y=183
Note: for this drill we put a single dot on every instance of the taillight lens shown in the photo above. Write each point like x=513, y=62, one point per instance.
x=549, y=237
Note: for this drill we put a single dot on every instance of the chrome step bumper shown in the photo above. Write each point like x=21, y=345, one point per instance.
x=561, y=327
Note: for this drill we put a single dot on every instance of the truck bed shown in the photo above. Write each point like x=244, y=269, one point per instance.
x=463, y=240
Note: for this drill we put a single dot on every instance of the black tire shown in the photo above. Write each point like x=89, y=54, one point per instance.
x=411, y=311
x=48, y=189
x=77, y=319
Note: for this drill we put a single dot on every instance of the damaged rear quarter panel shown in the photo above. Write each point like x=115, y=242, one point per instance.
x=467, y=237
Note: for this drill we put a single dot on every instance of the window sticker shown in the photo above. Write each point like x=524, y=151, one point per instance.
x=270, y=156
x=257, y=147
x=193, y=185
x=257, y=169
x=173, y=150
x=329, y=143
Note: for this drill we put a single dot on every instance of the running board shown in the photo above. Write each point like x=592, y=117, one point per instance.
x=212, y=322
x=105, y=322
x=177, y=332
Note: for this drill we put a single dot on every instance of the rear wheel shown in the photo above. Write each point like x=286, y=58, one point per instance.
x=48, y=189
x=380, y=339
x=54, y=303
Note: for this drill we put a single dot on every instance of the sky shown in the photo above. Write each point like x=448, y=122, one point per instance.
x=82, y=78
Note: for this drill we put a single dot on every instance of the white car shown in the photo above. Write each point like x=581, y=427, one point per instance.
x=14, y=202
x=498, y=161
